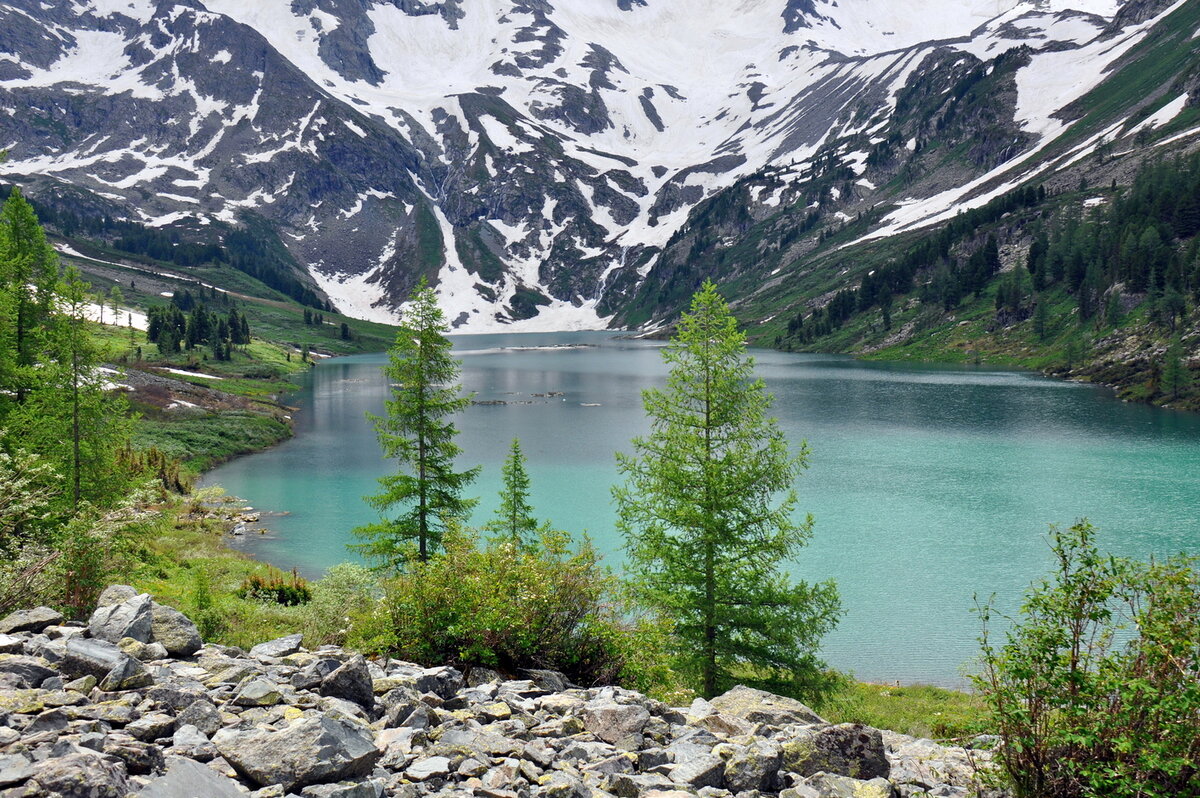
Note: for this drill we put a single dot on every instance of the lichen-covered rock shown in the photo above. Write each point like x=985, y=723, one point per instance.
x=758, y=706
x=829, y=785
x=308, y=751
x=753, y=767
x=848, y=749
x=614, y=723
x=174, y=631
x=81, y=775
x=34, y=620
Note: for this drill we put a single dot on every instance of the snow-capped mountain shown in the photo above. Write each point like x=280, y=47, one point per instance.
x=533, y=158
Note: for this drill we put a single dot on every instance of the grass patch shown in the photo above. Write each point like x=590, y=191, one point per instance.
x=918, y=710
x=202, y=441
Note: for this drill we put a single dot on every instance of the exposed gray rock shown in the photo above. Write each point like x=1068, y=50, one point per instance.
x=31, y=671
x=351, y=682
x=115, y=594
x=829, y=785
x=279, y=647
x=34, y=620
x=91, y=658
x=618, y=724
x=14, y=768
x=203, y=715
x=758, y=706
x=131, y=618
x=174, y=631
x=703, y=771
x=83, y=775
x=187, y=779
x=428, y=767
x=848, y=749
x=308, y=751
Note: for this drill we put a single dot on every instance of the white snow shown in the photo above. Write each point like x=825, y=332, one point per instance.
x=183, y=373
x=1163, y=115
x=126, y=317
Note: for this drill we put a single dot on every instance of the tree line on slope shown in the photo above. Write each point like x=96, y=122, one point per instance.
x=1139, y=249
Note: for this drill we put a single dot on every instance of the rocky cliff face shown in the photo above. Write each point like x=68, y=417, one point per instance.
x=536, y=160
x=133, y=703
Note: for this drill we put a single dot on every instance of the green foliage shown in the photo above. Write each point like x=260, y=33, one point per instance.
x=346, y=592
x=201, y=441
x=706, y=537
x=416, y=431
x=509, y=607
x=289, y=590
x=1176, y=378
x=919, y=710
x=514, y=517
x=1096, y=691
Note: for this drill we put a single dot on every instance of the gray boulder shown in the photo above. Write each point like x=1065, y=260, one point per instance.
x=80, y=775
x=829, y=785
x=279, y=647
x=14, y=768
x=34, y=620
x=174, y=631
x=91, y=658
x=130, y=618
x=759, y=706
x=258, y=693
x=307, y=751
x=30, y=671
x=754, y=767
x=617, y=724
x=187, y=779
x=129, y=674
x=203, y=715
x=848, y=749
x=115, y=594
x=703, y=771
x=351, y=682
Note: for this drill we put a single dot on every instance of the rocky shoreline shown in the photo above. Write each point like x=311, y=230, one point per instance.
x=133, y=703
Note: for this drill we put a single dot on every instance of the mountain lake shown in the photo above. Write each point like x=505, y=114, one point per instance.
x=929, y=485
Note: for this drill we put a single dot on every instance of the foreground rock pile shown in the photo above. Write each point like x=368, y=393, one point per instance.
x=134, y=704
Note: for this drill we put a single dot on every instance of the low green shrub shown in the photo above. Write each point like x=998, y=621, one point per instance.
x=275, y=587
x=509, y=607
x=1096, y=691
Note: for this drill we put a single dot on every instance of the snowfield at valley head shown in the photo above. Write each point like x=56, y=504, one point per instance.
x=535, y=158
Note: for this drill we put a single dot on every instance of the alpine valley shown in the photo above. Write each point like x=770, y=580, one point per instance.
x=584, y=164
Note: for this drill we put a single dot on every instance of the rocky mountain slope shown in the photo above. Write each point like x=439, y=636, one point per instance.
x=134, y=704
x=542, y=162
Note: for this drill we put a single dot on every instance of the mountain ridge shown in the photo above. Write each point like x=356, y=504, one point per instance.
x=534, y=160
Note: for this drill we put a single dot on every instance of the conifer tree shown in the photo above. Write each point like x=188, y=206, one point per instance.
x=28, y=276
x=514, y=517
x=705, y=533
x=416, y=429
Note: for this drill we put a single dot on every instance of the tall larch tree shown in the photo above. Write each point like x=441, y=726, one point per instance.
x=417, y=430
x=706, y=510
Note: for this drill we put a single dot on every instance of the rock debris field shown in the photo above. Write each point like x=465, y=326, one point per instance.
x=134, y=703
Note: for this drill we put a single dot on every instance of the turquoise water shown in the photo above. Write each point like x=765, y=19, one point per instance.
x=929, y=484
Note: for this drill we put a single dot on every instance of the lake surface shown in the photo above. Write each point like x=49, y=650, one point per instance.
x=928, y=484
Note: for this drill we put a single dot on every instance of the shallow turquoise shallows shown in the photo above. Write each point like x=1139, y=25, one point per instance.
x=929, y=485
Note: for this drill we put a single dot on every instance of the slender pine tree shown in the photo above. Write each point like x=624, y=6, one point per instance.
x=418, y=431
x=514, y=517
x=706, y=537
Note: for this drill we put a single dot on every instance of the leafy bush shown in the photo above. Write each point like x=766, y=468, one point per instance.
x=344, y=593
x=510, y=607
x=288, y=590
x=1097, y=689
